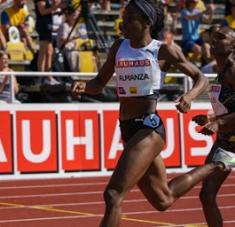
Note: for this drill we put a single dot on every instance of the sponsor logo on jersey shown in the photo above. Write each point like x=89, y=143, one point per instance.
x=133, y=90
x=133, y=63
x=121, y=91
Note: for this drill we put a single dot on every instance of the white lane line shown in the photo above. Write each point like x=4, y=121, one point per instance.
x=77, y=184
x=53, y=185
x=102, y=202
x=195, y=209
x=47, y=218
x=50, y=195
x=82, y=184
x=92, y=193
x=96, y=216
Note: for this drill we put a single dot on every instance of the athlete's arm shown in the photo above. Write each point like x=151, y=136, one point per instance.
x=174, y=56
x=227, y=122
x=96, y=85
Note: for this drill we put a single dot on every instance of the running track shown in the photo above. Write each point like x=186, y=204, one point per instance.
x=77, y=202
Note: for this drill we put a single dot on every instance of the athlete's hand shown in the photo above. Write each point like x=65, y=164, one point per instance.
x=210, y=128
x=183, y=103
x=78, y=88
x=200, y=119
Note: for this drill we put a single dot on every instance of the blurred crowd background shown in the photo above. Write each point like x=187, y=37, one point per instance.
x=75, y=36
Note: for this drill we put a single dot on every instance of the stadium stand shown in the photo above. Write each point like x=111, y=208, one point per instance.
x=106, y=21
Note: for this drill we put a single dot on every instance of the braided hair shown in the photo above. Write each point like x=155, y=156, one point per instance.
x=157, y=12
x=158, y=26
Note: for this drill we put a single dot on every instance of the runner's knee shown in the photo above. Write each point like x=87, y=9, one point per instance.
x=162, y=203
x=112, y=197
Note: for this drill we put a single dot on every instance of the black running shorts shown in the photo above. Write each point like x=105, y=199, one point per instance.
x=152, y=120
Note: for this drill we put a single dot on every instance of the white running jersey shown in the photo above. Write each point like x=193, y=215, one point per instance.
x=137, y=69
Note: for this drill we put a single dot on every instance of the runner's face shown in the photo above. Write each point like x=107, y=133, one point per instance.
x=222, y=42
x=133, y=22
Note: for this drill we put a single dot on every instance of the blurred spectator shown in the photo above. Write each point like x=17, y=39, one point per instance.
x=57, y=19
x=68, y=43
x=200, y=5
x=3, y=43
x=44, y=24
x=227, y=10
x=191, y=19
x=229, y=14
x=167, y=36
x=118, y=24
x=210, y=66
x=89, y=59
x=6, y=81
x=207, y=37
x=106, y=5
x=170, y=16
x=95, y=5
x=5, y=4
x=17, y=16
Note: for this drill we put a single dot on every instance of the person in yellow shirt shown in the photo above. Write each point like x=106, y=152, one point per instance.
x=201, y=6
x=16, y=15
x=230, y=15
x=118, y=23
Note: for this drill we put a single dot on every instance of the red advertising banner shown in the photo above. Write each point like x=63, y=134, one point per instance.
x=113, y=144
x=80, y=138
x=197, y=146
x=36, y=141
x=6, y=151
x=171, y=152
x=51, y=140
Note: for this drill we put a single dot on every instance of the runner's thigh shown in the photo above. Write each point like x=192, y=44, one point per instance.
x=136, y=158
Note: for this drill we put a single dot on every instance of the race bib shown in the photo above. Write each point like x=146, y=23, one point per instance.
x=152, y=121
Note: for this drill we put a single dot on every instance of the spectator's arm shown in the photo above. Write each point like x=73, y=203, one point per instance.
x=3, y=43
x=193, y=17
x=208, y=15
x=15, y=84
x=71, y=39
x=190, y=16
x=4, y=83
